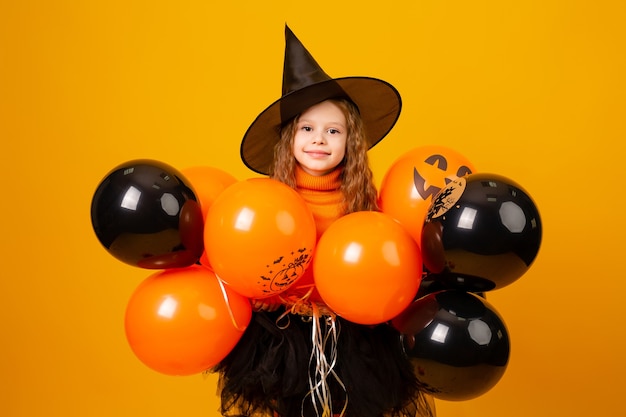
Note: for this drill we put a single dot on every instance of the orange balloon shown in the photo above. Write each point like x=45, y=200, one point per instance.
x=304, y=289
x=208, y=182
x=367, y=268
x=408, y=187
x=183, y=321
x=259, y=236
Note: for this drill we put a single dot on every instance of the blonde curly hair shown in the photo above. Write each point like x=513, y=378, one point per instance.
x=357, y=179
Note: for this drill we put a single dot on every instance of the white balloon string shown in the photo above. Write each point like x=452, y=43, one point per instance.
x=230, y=310
x=293, y=305
x=324, y=336
x=319, y=390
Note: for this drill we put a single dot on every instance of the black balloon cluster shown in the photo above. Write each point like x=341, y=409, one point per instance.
x=482, y=232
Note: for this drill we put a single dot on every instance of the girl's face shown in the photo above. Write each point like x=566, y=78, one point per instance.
x=319, y=144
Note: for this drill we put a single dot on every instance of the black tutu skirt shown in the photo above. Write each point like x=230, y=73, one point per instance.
x=268, y=373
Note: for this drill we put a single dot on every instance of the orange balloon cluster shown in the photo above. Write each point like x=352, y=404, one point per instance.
x=184, y=321
x=367, y=268
x=408, y=187
x=259, y=239
x=259, y=236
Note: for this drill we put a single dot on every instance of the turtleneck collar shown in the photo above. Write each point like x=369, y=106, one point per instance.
x=328, y=182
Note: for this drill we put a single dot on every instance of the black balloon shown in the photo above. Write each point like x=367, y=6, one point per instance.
x=482, y=232
x=457, y=343
x=146, y=214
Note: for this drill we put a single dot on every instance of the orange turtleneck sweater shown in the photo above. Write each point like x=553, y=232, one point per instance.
x=322, y=195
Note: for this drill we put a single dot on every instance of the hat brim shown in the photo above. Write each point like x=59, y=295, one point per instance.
x=379, y=104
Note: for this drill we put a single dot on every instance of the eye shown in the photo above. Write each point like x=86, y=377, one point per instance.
x=437, y=160
x=333, y=131
x=463, y=171
x=306, y=128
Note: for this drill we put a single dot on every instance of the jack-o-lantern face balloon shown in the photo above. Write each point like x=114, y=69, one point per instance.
x=412, y=181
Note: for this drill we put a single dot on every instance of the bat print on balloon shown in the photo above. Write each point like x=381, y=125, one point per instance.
x=446, y=198
x=284, y=271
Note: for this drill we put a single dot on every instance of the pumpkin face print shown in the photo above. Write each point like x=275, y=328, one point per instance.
x=282, y=272
x=413, y=180
x=433, y=167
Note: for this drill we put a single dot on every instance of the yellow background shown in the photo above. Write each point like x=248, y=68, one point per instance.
x=533, y=90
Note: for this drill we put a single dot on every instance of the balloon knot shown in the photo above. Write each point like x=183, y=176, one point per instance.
x=302, y=305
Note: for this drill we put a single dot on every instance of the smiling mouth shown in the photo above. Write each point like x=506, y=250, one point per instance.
x=317, y=154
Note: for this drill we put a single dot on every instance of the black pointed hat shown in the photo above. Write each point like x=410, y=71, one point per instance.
x=306, y=84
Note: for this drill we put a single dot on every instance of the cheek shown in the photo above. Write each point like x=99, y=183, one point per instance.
x=340, y=154
x=298, y=155
x=296, y=142
x=339, y=150
x=296, y=146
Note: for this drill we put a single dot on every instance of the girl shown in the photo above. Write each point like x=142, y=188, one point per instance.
x=315, y=139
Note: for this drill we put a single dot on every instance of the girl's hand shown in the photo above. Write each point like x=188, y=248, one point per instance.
x=266, y=304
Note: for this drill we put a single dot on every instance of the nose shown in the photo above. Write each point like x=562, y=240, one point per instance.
x=318, y=138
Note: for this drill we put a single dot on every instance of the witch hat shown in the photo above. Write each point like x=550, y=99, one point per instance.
x=306, y=84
